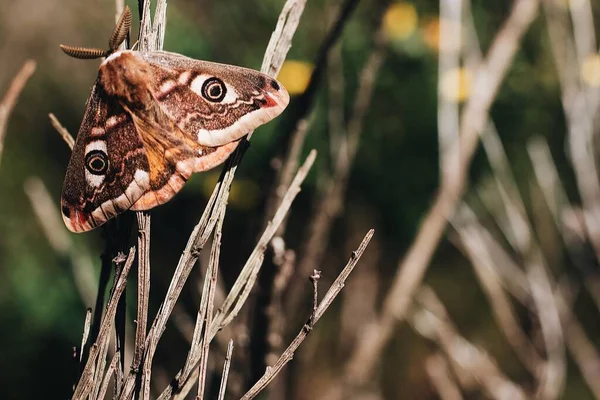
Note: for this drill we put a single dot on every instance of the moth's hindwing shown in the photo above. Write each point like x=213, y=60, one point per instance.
x=163, y=116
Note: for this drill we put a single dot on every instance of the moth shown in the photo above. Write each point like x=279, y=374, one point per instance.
x=151, y=120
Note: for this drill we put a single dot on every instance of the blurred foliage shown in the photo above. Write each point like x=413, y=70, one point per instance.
x=392, y=183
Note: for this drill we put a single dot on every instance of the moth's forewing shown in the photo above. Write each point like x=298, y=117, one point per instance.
x=91, y=197
x=250, y=98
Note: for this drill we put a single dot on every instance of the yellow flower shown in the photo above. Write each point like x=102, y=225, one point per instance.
x=456, y=84
x=590, y=70
x=295, y=75
x=400, y=20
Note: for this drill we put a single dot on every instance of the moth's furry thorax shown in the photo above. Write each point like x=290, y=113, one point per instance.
x=125, y=76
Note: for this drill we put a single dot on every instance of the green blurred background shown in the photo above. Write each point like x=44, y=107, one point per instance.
x=391, y=185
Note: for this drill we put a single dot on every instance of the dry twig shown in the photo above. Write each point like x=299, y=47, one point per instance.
x=62, y=131
x=207, y=306
x=329, y=297
x=143, y=220
x=245, y=281
x=97, y=354
x=226, y=367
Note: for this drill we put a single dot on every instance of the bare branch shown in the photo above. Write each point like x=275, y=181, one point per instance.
x=582, y=349
x=113, y=366
x=314, y=278
x=233, y=303
x=281, y=38
x=245, y=280
x=86, y=330
x=433, y=322
x=226, y=366
x=211, y=277
x=64, y=133
x=485, y=267
x=86, y=382
x=553, y=373
x=143, y=294
x=448, y=67
x=329, y=297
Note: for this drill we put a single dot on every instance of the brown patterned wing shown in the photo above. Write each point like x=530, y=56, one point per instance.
x=214, y=103
x=189, y=114
x=108, y=170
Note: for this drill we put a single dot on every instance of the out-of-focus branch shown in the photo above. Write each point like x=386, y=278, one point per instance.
x=119, y=7
x=582, y=349
x=335, y=95
x=551, y=378
x=484, y=265
x=284, y=260
x=7, y=104
x=62, y=131
x=510, y=215
x=439, y=375
x=49, y=219
x=581, y=106
x=571, y=227
x=450, y=37
x=413, y=266
x=431, y=320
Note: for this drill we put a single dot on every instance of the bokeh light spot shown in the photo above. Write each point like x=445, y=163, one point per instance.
x=456, y=84
x=430, y=31
x=295, y=75
x=400, y=20
x=590, y=70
